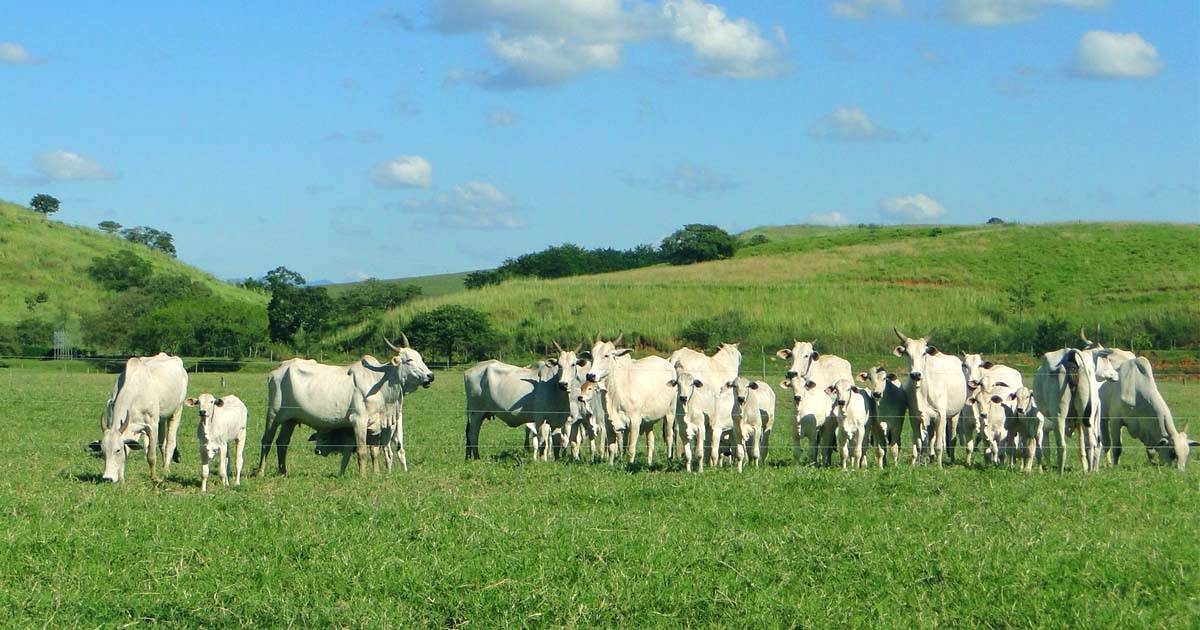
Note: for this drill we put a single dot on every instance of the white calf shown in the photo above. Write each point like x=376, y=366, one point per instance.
x=852, y=409
x=222, y=420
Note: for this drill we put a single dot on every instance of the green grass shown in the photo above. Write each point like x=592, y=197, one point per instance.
x=40, y=254
x=848, y=286
x=503, y=541
x=431, y=286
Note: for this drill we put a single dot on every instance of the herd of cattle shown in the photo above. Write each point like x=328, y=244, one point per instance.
x=708, y=413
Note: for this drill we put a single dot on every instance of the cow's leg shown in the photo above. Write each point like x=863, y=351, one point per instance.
x=204, y=460
x=631, y=435
x=170, y=441
x=668, y=436
x=240, y=451
x=269, y=429
x=358, y=422
x=347, y=452
x=398, y=440
x=547, y=444
x=701, y=429
x=152, y=438
x=939, y=438
x=650, y=445
x=281, y=445
x=797, y=445
x=474, y=421
x=1114, y=438
x=843, y=448
x=223, y=463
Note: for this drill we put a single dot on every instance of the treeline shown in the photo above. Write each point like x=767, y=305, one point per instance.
x=690, y=244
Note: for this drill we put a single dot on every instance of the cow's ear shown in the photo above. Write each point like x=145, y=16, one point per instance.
x=1000, y=384
x=553, y=362
x=997, y=399
x=1012, y=396
x=829, y=390
x=586, y=355
x=94, y=447
x=970, y=401
x=133, y=444
x=784, y=354
x=987, y=365
x=753, y=384
x=581, y=362
x=898, y=351
x=731, y=384
x=696, y=383
x=622, y=352
x=672, y=383
x=862, y=376
x=785, y=384
x=810, y=384
x=891, y=376
x=396, y=360
x=854, y=388
x=220, y=402
x=191, y=402
x=814, y=356
x=931, y=350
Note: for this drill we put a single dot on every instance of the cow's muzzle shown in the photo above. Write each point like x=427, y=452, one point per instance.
x=916, y=376
x=591, y=377
x=792, y=374
x=563, y=386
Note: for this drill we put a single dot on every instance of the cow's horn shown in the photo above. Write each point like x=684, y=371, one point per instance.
x=1083, y=336
x=617, y=341
x=558, y=347
x=391, y=345
x=578, y=347
x=404, y=338
x=900, y=334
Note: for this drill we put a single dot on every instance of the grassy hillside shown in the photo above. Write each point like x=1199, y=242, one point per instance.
x=41, y=254
x=431, y=286
x=847, y=286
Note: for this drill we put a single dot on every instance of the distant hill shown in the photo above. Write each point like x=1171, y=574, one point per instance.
x=431, y=286
x=1015, y=287
x=41, y=254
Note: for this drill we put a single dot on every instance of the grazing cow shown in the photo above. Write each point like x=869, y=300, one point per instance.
x=362, y=395
x=517, y=396
x=1067, y=386
x=809, y=373
x=891, y=403
x=634, y=395
x=147, y=401
x=938, y=392
x=1134, y=402
x=222, y=420
x=754, y=411
x=814, y=421
x=852, y=409
x=721, y=367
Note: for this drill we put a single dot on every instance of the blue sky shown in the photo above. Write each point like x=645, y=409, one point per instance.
x=346, y=140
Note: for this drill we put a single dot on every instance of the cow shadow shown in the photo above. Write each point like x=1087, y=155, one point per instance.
x=85, y=477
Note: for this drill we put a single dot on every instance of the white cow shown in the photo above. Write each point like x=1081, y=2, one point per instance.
x=754, y=411
x=587, y=413
x=987, y=405
x=634, y=396
x=367, y=396
x=809, y=373
x=1026, y=427
x=891, y=403
x=222, y=421
x=852, y=409
x=517, y=396
x=1134, y=402
x=699, y=402
x=938, y=392
x=975, y=369
x=147, y=401
x=721, y=367
x=1067, y=387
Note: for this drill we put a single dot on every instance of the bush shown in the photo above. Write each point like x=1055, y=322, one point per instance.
x=708, y=333
x=204, y=327
x=294, y=307
x=453, y=331
x=369, y=298
x=697, y=243
x=120, y=271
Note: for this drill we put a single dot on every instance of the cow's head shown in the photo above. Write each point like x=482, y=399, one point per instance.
x=331, y=442
x=206, y=405
x=115, y=446
x=973, y=367
x=1175, y=448
x=800, y=358
x=840, y=393
x=991, y=408
x=574, y=367
x=916, y=353
x=877, y=380
x=604, y=357
x=695, y=395
x=411, y=370
x=1089, y=368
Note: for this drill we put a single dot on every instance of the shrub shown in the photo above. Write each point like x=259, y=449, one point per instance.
x=120, y=271
x=697, y=242
x=453, y=331
x=707, y=333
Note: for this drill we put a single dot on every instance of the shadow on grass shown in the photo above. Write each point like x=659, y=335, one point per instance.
x=88, y=477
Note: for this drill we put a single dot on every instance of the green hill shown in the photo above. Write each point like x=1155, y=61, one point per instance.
x=40, y=254
x=431, y=286
x=1007, y=287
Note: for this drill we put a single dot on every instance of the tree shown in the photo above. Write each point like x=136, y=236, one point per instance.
x=120, y=271
x=152, y=238
x=697, y=242
x=109, y=227
x=293, y=307
x=483, y=278
x=44, y=204
x=372, y=296
x=282, y=277
x=453, y=331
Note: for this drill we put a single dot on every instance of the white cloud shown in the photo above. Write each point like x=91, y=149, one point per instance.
x=726, y=48
x=65, y=165
x=849, y=123
x=685, y=179
x=405, y=171
x=501, y=118
x=15, y=54
x=1116, y=55
x=540, y=43
x=862, y=9
x=474, y=205
x=826, y=218
x=918, y=207
x=1003, y=12
x=358, y=276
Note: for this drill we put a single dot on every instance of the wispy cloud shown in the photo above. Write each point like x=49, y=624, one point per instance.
x=850, y=123
x=685, y=179
x=918, y=207
x=405, y=171
x=1106, y=55
x=863, y=9
x=65, y=166
x=826, y=218
x=501, y=118
x=474, y=205
x=1005, y=12
x=14, y=54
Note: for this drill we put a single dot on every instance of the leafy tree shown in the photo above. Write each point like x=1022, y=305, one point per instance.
x=152, y=238
x=292, y=307
x=372, y=297
x=483, y=278
x=44, y=204
x=200, y=327
x=453, y=331
x=697, y=242
x=120, y=271
x=109, y=227
x=282, y=277
x=254, y=284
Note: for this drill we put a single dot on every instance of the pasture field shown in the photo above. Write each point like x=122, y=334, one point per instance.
x=506, y=542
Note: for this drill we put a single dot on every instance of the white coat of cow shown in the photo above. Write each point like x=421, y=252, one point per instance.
x=852, y=409
x=891, y=403
x=222, y=425
x=1026, y=427
x=147, y=401
x=809, y=373
x=366, y=395
x=634, y=396
x=1067, y=388
x=938, y=392
x=1134, y=402
x=754, y=411
x=517, y=396
x=698, y=404
x=721, y=367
